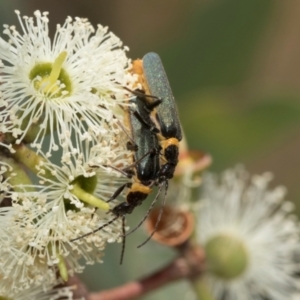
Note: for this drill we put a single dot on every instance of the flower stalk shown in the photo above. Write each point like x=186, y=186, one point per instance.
x=31, y=160
x=62, y=267
x=201, y=289
x=17, y=176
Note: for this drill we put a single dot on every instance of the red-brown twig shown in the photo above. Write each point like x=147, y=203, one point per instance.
x=190, y=264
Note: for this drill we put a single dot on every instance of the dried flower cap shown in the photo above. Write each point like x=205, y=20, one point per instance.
x=193, y=160
x=175, y=227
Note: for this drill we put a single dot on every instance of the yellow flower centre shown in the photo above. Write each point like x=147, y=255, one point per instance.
x=51, y=78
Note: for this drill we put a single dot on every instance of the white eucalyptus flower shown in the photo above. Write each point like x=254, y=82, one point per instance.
x=4, y=185
x=69, y=87
x=48, y=293
x=45, y=218
x=249, y=236
x=19, y=271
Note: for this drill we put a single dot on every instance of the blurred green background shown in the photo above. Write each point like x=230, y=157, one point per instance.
x=234, y=66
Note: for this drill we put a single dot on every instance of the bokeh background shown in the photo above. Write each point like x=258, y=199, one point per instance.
x=234, y=66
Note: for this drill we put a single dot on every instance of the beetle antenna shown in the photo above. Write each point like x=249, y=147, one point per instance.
x=159, y=216
x=139, y=93
x=123, y=240
x=127, y=134
x=147, y=214
x=96, y=230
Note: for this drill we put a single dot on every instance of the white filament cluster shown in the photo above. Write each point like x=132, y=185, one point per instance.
x=71, y=93
x=245, y=209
